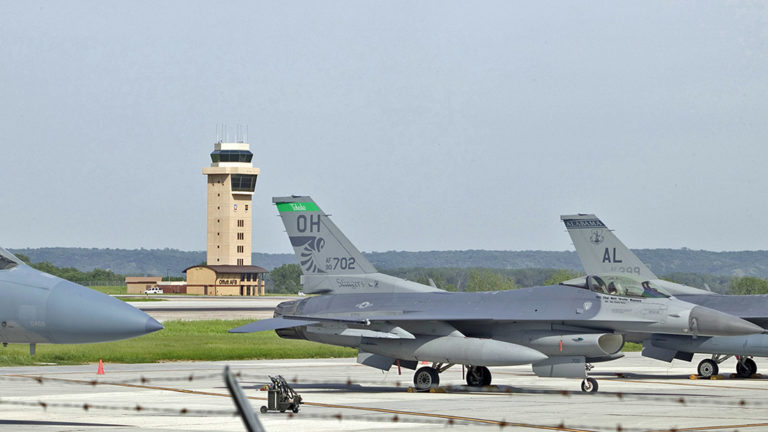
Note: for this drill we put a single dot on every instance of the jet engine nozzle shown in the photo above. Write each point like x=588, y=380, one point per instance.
x=703, y=321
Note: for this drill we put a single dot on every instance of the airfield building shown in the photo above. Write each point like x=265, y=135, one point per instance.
x=225, y=280
x=231, y=182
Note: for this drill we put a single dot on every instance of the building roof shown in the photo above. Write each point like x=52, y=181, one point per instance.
x=232, y=268
x=142, y=279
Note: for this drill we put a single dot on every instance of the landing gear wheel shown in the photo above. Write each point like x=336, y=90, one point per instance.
x=746, y=369
x=426, y=378
x=589, y=385
x=263, y=409
x=295, y=409
x=707, y=368
x=478, y=376
x=751, y=365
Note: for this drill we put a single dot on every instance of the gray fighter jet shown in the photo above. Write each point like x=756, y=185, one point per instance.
x=602, y=253
x=40, y=308
x=557, y=329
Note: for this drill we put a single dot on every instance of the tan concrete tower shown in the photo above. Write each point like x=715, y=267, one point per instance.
x=231, y=181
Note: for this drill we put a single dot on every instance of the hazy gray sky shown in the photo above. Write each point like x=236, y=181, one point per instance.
x=420, y=125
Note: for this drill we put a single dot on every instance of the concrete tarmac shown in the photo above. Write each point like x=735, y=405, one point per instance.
x=635, y=393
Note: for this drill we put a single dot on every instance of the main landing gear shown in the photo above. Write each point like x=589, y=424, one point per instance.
x=428, y=377
x=478, y=376
x=745, y=366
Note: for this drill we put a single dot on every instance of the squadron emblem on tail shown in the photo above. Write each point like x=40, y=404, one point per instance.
x=310, y=247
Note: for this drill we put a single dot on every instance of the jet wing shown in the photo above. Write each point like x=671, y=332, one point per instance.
x=271, y=324
x=337, y=326
x=293, y=321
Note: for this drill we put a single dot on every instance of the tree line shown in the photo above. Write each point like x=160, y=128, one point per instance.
x=286, y=279
x=93, y=277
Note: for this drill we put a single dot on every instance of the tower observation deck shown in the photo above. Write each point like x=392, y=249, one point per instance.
x=231, y=182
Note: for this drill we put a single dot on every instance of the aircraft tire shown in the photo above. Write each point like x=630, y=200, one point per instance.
x=426, y=378
x=751, y=365
x=478, y=376
x=746, y=369
x=486, y=376
x=707, y=368
x=263, y=409
x=589, y=385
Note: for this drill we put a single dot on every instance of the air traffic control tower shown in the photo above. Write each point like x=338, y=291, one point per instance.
x=231, y=181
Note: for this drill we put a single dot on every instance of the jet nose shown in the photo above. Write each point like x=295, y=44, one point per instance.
x=76, y=314
x=152, y=325
x=709, y=322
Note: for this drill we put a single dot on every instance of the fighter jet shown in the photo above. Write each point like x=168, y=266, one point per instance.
x=557, y=329
x=602, y=253
x=40, y=308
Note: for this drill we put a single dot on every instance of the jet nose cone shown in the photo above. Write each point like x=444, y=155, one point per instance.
x=152, y=325
x=709, y=322
x=76, y=314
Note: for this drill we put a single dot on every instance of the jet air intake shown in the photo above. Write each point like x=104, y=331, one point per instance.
x=591, y=345
x=454, y=350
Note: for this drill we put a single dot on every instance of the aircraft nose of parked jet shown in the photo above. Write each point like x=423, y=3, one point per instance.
x=709, y=322
x=76, y=314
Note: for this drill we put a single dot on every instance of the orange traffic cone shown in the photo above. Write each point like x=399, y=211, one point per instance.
x=101, y=368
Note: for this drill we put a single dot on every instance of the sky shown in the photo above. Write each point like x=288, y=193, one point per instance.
x=419, y=125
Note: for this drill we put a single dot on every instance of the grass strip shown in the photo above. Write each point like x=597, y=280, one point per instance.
x=111, y=290
x=183, y=341
x=179, y=341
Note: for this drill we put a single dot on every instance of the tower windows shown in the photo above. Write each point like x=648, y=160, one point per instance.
x=240, y=223
x=243, y=182
x=239, y=261
x=241, y=236
x=240, y=249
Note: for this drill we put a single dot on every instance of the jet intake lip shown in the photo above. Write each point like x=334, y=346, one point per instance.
x=704, y=321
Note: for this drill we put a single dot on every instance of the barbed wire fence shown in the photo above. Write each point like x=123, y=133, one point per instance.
x=252, y=381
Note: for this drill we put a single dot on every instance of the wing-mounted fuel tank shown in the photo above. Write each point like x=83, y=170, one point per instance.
x=454, y=350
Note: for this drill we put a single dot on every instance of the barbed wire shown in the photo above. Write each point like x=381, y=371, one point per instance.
x=136, y=408
x=384, y=415
x=395, y=418
x=262, y=381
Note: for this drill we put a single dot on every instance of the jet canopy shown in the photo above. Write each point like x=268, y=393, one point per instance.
x=619, y=286
x=7, y=260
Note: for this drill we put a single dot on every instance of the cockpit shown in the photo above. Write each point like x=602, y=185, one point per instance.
x=620, y=286
x=7, y=260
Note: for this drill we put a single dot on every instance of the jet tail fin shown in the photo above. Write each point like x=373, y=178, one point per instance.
x=330, y=263
x=600, y=251
x=320, y=246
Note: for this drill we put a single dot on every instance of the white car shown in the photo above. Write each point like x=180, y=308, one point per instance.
x=153, y=291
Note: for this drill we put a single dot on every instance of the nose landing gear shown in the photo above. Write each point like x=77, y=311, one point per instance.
x=589, y=385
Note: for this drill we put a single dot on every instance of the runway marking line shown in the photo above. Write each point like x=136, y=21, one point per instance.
x=324, y=405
